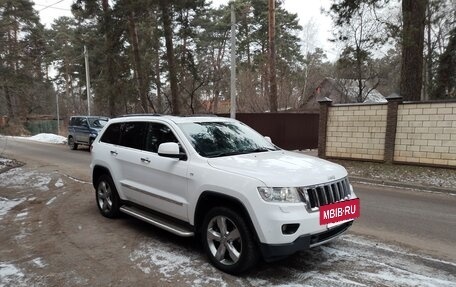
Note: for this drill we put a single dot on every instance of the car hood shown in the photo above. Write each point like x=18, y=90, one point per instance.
x=281, y=168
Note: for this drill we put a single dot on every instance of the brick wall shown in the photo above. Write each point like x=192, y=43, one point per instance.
x=420, y=132
x=356, y=132
x=426, y=133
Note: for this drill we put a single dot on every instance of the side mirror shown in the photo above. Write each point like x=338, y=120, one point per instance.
x=171, y=149
x=268, y=139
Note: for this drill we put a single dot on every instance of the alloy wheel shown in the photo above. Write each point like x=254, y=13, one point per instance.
x=224, y=240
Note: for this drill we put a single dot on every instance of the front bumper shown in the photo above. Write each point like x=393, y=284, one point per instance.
x=273, y=252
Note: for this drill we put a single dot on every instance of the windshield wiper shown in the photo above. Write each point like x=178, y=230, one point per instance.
x=225, y=154
x=264, y=149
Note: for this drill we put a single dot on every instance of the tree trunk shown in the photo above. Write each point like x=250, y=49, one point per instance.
x=170, y=56
x=142, y=85
x=413, y=17
x=272, y=61
x=111, y=82
x=9, y=104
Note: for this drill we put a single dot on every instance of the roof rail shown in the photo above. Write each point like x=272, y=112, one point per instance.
x=201, y=115
x=140, y=115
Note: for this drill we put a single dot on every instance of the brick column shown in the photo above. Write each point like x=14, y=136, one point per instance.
x=325, y=103
x=391, y=125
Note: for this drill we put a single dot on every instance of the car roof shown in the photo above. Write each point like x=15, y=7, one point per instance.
x=168, y=118
x=96, y=117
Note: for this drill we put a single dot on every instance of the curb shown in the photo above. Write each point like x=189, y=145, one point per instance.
x=402, y=185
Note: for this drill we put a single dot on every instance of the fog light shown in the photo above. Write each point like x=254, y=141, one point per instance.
x=290, y=228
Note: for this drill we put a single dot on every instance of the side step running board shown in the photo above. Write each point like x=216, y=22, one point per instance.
x=157, y=221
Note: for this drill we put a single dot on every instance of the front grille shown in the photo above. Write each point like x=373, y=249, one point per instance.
x=323, y=194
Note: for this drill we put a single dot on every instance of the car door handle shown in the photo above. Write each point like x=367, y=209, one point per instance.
x=145, y=160
x=114, y=153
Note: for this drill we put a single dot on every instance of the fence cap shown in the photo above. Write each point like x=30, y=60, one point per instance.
x=325, y=100
x=394, y=98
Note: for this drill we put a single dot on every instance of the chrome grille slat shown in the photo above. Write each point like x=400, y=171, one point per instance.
x=328, y=193
x=341, y=189
x=336, y=191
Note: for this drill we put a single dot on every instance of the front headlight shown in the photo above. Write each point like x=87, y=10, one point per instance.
x=280, y=194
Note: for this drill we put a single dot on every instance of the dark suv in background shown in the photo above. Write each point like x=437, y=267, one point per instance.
x=83, y=130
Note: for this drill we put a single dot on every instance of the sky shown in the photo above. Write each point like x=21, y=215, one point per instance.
x=307, y=10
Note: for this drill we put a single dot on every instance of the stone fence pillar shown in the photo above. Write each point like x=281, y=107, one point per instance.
x=325, y=103
x=391, y=125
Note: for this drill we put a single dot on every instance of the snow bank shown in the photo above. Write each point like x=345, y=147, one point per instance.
x=46, y=138
x=49, y=138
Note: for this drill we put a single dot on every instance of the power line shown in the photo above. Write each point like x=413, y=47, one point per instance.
x=50, y=6
x=57, y=8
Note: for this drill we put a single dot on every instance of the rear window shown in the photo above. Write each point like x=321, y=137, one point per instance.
x=112, y=134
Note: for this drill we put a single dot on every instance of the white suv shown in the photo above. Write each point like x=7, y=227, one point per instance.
x=218, y=179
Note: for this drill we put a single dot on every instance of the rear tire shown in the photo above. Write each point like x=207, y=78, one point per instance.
x=228, y=241
x=72, y=144
x=107, y=198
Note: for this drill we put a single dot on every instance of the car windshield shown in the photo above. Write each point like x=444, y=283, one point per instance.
x=216, y=139
x=97, y=123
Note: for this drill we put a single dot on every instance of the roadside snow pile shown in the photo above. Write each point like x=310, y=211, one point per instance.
x=48, y=138
x=6, y=164
x=5, y=161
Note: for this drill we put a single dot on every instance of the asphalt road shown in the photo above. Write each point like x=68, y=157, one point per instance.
x=52, y=156
x=420, y=220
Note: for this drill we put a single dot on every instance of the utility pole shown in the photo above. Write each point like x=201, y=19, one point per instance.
x=58, y=112
x=86, y=57
x=233, y=64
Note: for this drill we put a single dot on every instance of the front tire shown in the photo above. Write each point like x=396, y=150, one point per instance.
x=108, y=200
x=228, y=241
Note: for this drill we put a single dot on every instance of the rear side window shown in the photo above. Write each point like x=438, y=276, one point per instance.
x=112, y=134
x=133, y=134
x=75, y=121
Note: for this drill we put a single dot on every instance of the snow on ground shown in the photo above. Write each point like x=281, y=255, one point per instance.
x=51, y=200
x=59, y=183
x=5, y=161
x=18, y=178
x=172, y=262
x=39, y=262
x=7, y=204
x=46, y=138
x=10, y=275
x=418, y=175
x=349, y=261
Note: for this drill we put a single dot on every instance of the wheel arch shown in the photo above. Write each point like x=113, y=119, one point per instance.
x=98, y=171
x=210, y=199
